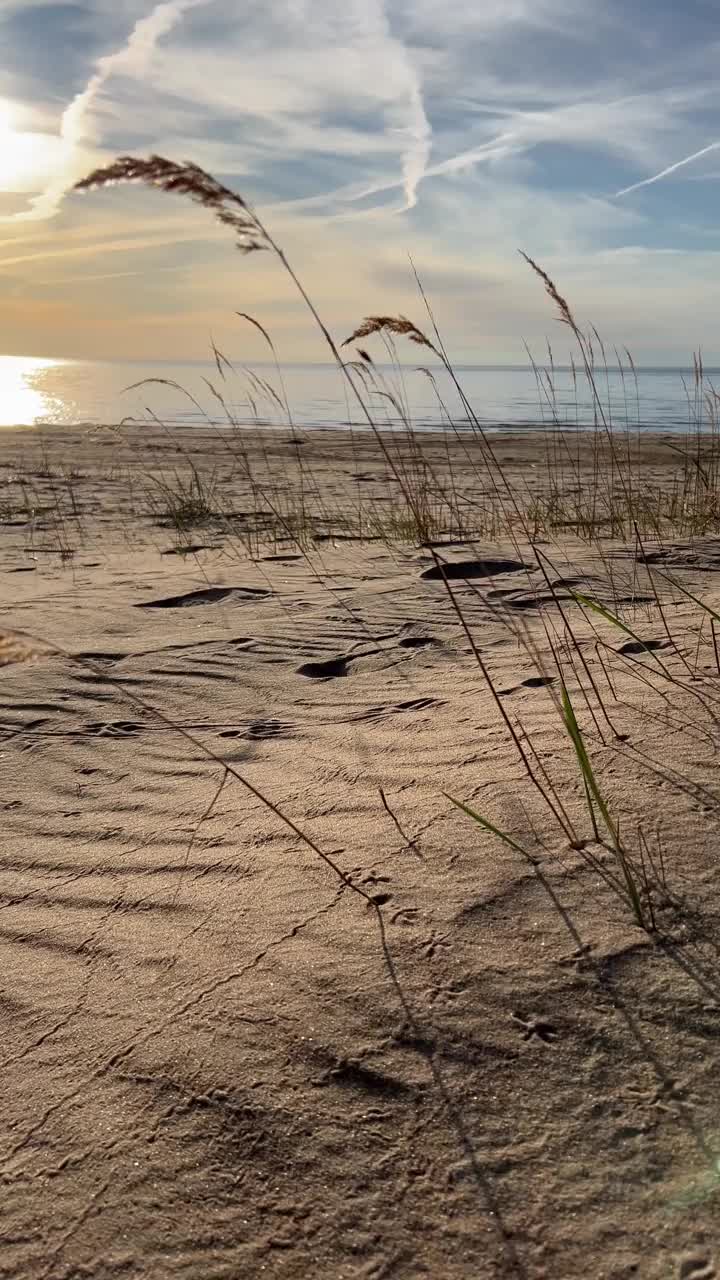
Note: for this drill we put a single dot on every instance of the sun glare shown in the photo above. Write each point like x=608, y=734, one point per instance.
x=22, y=399
x=12, y=149
x=23, y=156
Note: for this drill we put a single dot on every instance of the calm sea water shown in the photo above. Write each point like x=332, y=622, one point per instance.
x=70, y=392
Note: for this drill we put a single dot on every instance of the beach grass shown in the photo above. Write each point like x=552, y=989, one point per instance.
x=591, y=484
x=615, y=648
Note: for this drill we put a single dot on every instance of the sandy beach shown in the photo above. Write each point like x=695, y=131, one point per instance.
x=437, y=1054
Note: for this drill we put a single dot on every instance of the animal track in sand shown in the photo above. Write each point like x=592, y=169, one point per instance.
x=259, y=730
x=208, y=595
x=111, y=729
x=406, y=915
x=387, y=710
x=435, y=944
x=371, y=878
x=536, y=1028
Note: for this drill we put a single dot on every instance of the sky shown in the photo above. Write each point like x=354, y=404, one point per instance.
x=365, y=134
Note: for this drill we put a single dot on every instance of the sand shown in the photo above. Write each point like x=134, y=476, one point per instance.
x=208, y=1069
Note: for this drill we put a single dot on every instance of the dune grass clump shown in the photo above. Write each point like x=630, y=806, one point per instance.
x=185, y=502
x=596, y=495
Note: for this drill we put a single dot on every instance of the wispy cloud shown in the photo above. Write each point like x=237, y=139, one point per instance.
x=361, y=130
x=627, y=128
x=328, y=83
x=131, y=59
x=92, y=277
x=671, y=168
x=126, y=244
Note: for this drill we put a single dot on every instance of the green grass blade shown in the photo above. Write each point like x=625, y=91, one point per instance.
x=593, y=790
x=617, y=622
x=489, y=826
x=574, y=731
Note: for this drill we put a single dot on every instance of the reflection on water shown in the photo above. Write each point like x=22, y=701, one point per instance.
x=74, y=392
x=24, y=399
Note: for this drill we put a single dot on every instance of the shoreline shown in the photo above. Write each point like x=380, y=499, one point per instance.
x=497, y=430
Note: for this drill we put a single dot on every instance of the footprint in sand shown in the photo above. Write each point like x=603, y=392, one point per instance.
x=696, y=1266
x=209, y=595
x=416, y=642
x=472, y=569
x=190, y=549
x=330, y=669
x=640, y=647
x=533, y=682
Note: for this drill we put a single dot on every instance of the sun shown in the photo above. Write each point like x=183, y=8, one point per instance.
x=13, y=150
x=24, y=156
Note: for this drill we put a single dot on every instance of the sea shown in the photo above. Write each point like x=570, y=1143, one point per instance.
x=50, y=392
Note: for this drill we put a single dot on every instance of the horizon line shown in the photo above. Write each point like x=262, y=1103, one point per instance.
x=378, y=364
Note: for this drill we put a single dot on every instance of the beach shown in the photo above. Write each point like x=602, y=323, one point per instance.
x=273, y=1003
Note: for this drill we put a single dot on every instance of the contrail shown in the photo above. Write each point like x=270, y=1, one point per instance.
x=370, y=22
x=416, y=157
x=664, y=173
x=502, y=145
x=131, y=59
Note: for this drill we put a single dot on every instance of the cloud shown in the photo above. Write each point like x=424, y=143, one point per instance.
x=628, y=128
x=131, y=59
x=294, y=80
x=293, y=93
x=360, y=131
x=306, y=69
x=370, y=35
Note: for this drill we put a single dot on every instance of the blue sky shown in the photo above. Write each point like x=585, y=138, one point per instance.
x=587, y=134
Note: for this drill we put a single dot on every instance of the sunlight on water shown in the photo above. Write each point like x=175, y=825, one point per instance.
x=22, y=398
x=82, y=392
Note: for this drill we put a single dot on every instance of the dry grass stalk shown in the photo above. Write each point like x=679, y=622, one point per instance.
x=563, y=307
x=186, y=180
x=400, y=326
